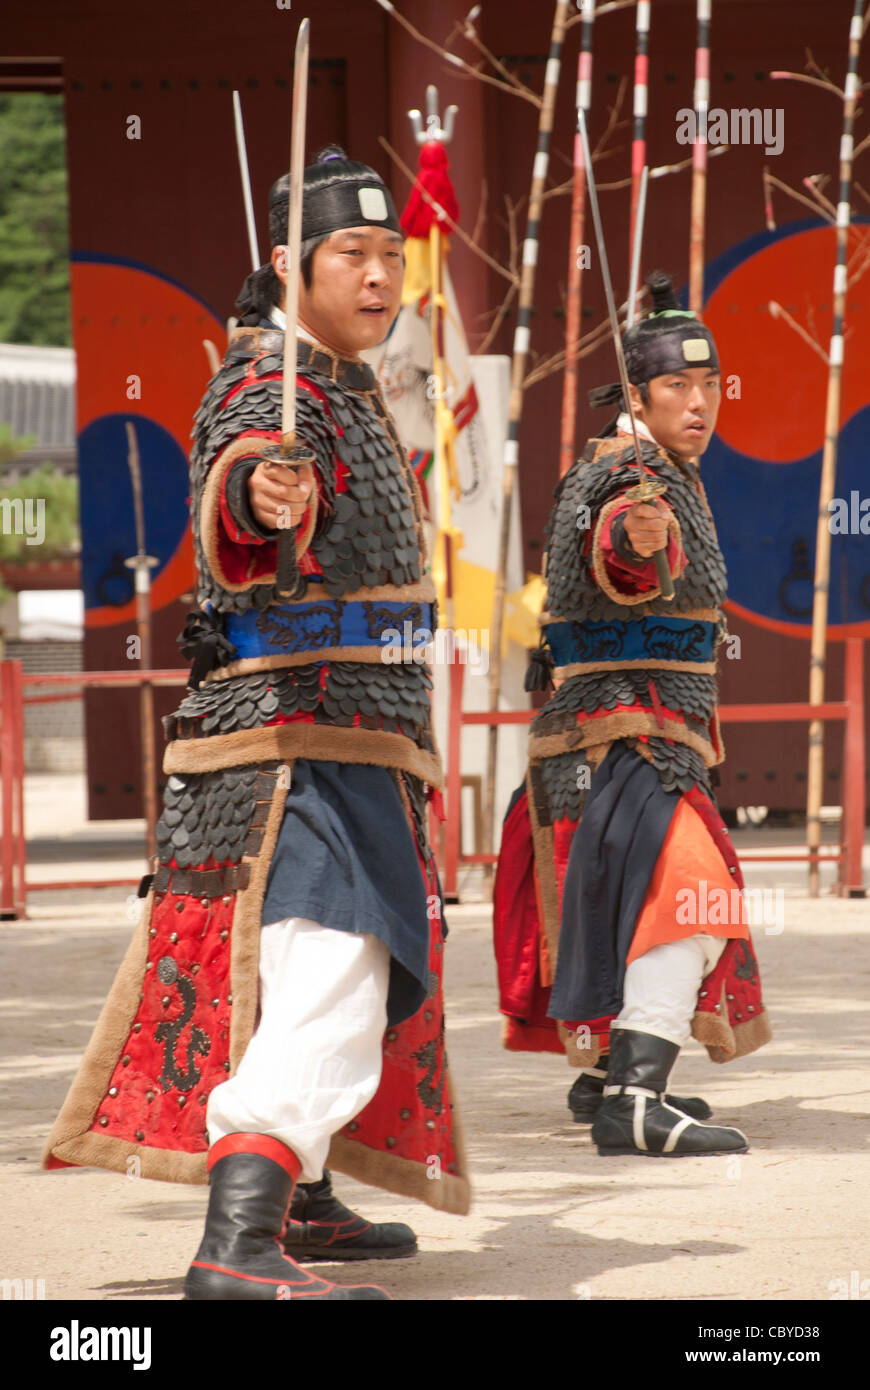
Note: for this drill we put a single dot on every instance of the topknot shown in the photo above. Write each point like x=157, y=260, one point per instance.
x=662, y=291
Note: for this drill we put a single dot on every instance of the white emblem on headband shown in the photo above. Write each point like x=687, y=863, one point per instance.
x=373, y=204
x=696, y=350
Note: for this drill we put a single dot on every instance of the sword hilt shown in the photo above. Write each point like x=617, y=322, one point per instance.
x=298, y=461
x=647, y=490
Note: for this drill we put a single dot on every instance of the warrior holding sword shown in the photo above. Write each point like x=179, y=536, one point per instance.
x=281, y=1001
x=614, y=847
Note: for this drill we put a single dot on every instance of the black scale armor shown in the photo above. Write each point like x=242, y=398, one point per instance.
x=365, y=537
x=574, y=595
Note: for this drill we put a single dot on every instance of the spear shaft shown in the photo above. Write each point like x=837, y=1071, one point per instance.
x=573, y=293
x=638, y=143
x=515, y=410
x=699, y=158
x=818, y=644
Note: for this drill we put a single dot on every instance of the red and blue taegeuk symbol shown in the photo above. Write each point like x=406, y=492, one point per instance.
x=763, y=466
x=136, y=332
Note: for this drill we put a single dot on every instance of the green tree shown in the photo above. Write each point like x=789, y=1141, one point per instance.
x=34, y=237
x=54, y=501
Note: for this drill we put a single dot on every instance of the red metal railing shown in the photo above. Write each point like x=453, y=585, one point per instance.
x=849, y=711
x=14, y=884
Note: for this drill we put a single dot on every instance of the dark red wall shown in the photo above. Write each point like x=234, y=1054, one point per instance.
x=172, y=201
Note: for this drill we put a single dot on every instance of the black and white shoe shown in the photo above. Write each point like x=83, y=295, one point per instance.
x=635, y=1117
x=587, y=1093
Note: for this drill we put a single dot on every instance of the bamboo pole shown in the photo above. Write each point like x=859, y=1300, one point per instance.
x=515, y=409
x=141, y=565
x=699, y=158
x=574, y=293
x=638, y=142
x=818, y=644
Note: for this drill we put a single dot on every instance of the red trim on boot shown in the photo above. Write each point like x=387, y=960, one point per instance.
x=262, y=1144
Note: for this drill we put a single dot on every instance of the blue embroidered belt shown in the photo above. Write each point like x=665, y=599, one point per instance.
x=287, y=629
x=645, y=639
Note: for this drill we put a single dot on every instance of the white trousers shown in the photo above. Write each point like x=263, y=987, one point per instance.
x=314, y=1060
x=661, y=986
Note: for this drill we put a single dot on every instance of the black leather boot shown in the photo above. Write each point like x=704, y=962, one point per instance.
x=251, y=1179
x=586, y=1094
x=320, y=1227
x=634, y=1116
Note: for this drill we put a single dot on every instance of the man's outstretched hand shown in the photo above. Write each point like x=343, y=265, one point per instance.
x=646, y=526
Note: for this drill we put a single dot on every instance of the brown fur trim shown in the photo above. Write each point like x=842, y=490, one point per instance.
x=245, y=935
x=258, y=339
x=400, y=1175
x=69, y=1136
x=692, y=615
x=599, y=569
x=616, y=726
x=579, y=1056
x=542, y=843
x=284, y=742
x=448, y=1192
x=582, y=668
x=210, y=518
x=373, y=655
x=423, y=591
x=723, y=1041
x=105, y=1151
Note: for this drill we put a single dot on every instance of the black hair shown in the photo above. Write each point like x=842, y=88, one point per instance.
x=262, y=289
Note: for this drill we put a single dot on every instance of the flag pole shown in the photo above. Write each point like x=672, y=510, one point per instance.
x=515, y=409
x=818, y=643
x=699, y=157
x=573, y=293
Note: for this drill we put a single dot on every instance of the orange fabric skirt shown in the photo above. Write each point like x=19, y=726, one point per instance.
x=690, y=891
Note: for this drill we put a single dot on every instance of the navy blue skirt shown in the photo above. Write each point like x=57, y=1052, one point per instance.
x=346, y=858
x=611, y=861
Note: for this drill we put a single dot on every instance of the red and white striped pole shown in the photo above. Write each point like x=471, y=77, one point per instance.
x=699, y=158
x=638, y=143
x=573, y=293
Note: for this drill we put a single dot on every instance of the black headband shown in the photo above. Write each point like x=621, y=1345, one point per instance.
x=364, y=202
x=668, y=342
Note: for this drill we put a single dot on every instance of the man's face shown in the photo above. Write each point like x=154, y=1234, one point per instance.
x=682, y=410
x=356, y=288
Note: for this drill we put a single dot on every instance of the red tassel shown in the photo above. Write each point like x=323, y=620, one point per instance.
x=432, y=173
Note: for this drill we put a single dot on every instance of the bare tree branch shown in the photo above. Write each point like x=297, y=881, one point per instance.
x=810, y=183
x=452, y=58
x=798, y=197
x=466, y=28
x=826, y=85
x=610, y=8
x=777, y=312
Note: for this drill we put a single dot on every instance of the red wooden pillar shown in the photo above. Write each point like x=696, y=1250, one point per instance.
x=854, y=769
x=453, y=828
x=12, y=898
